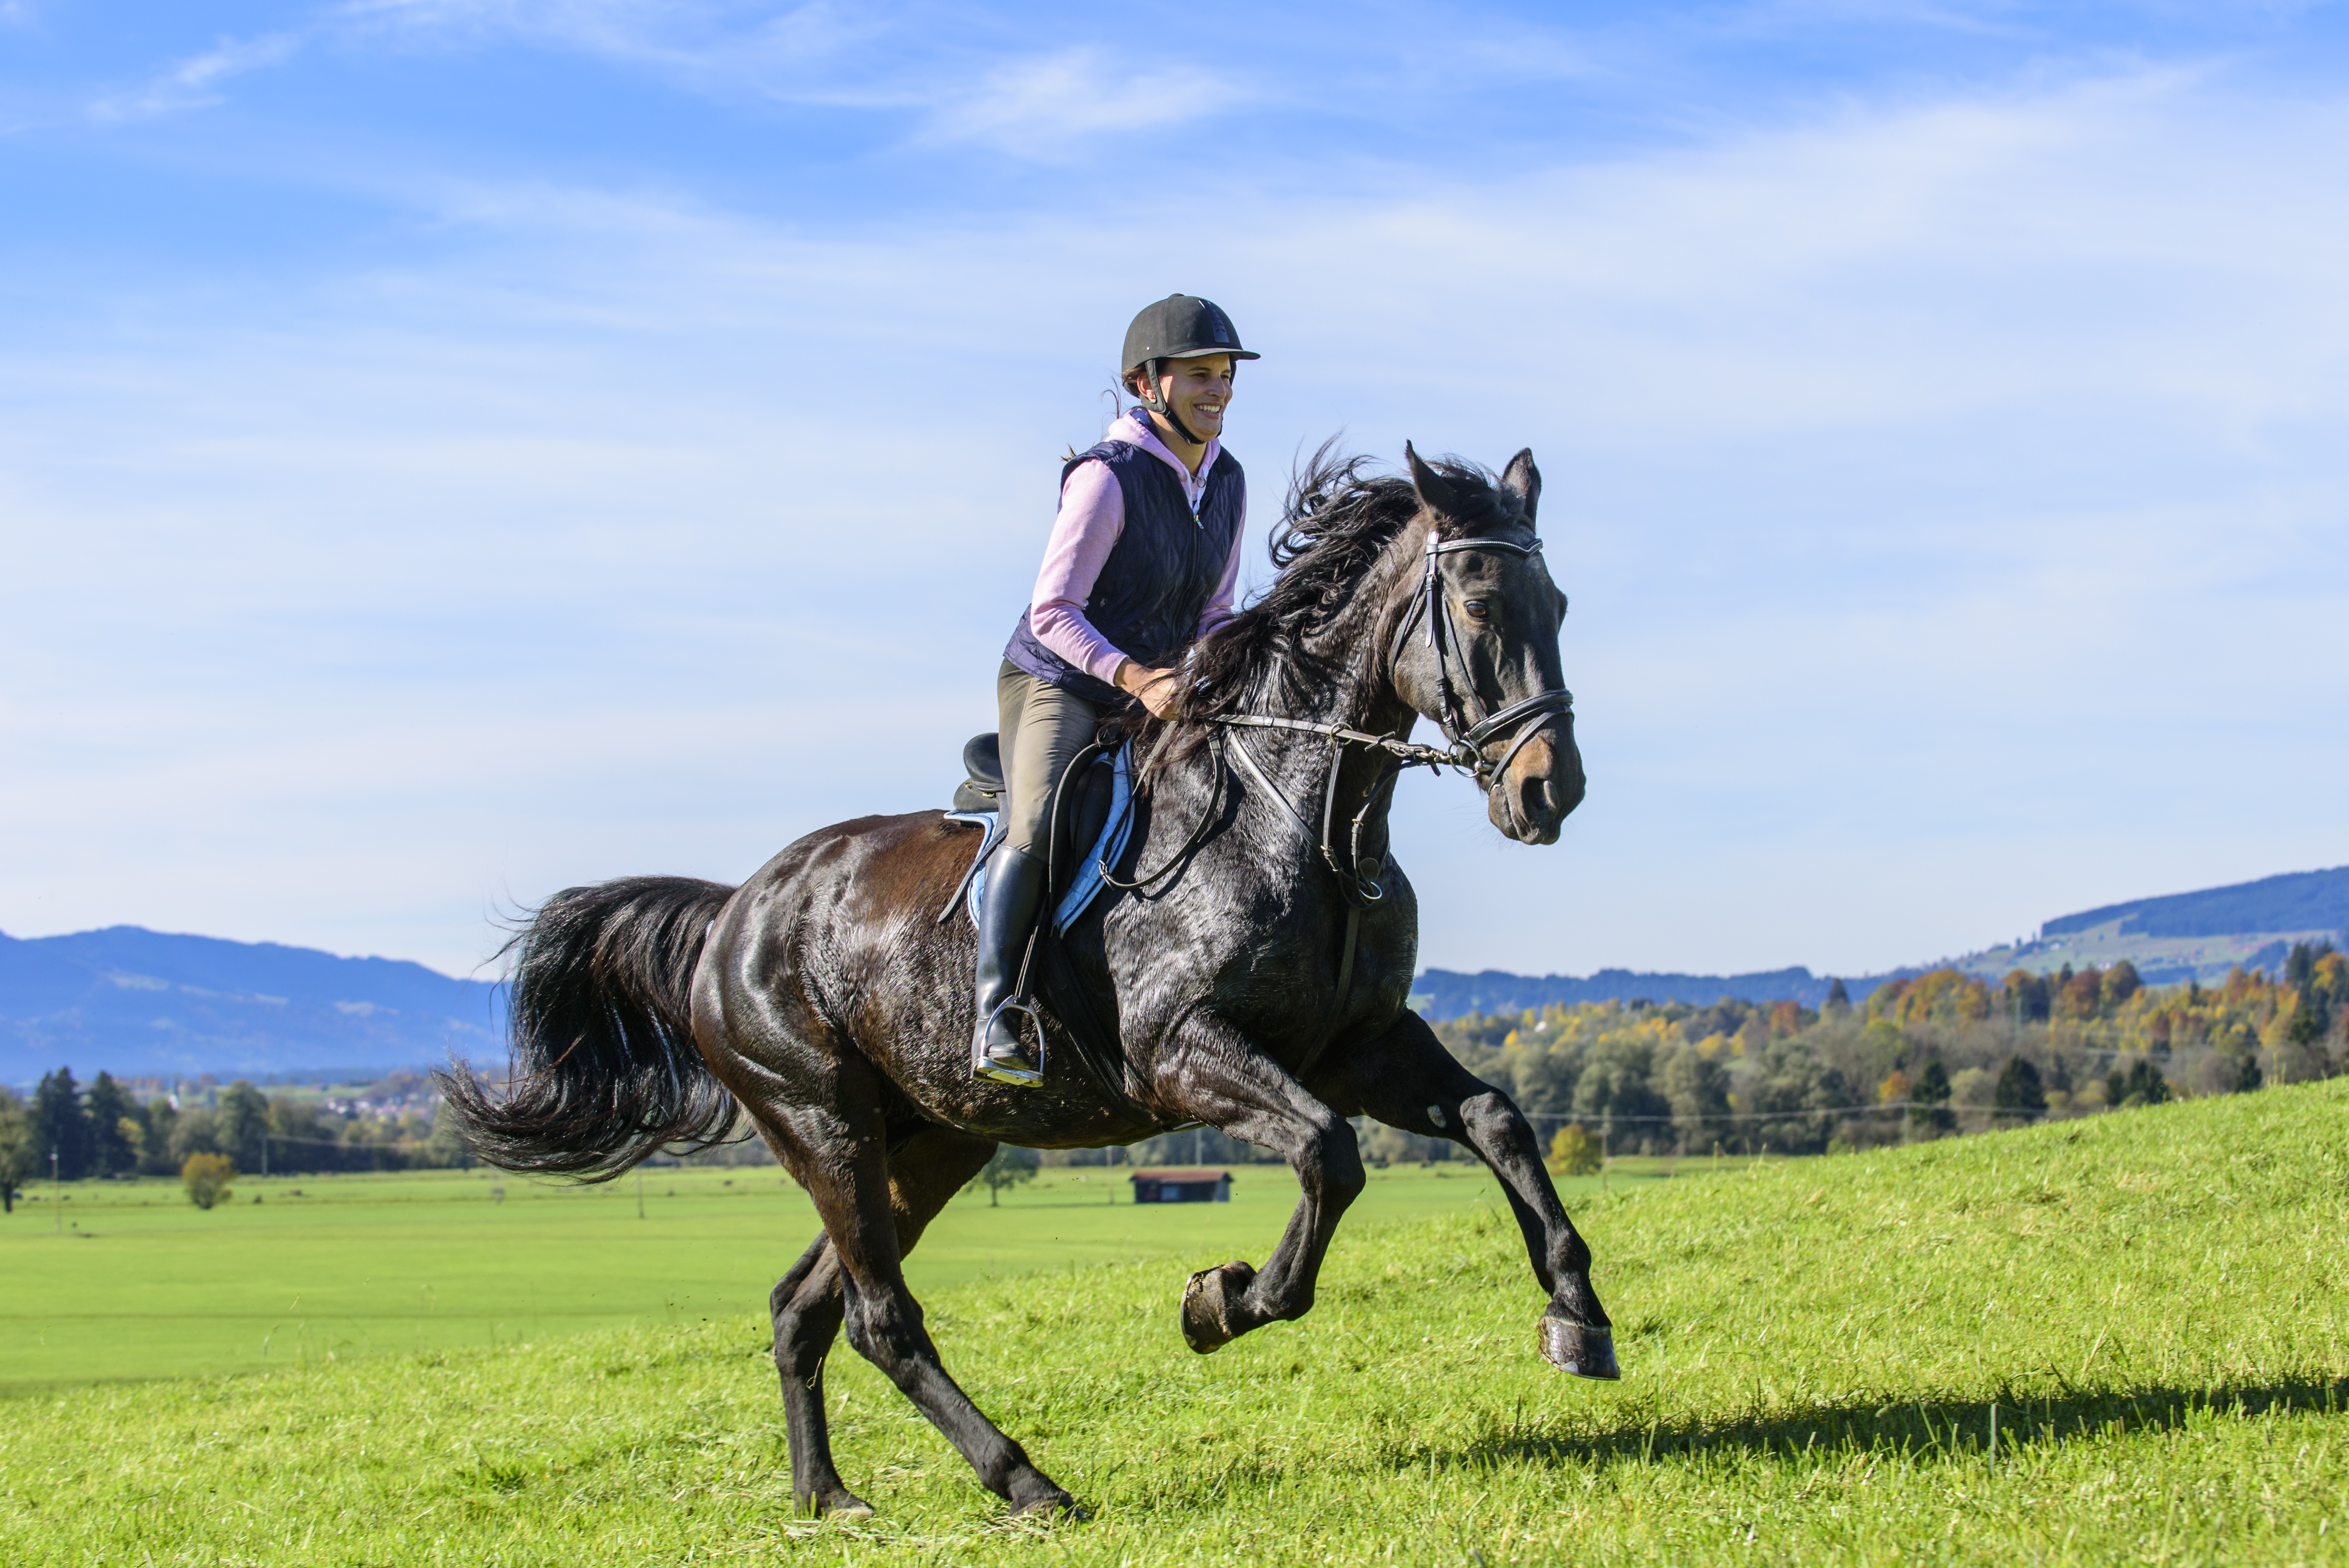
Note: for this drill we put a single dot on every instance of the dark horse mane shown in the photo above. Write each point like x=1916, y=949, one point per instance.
x=1335, y=523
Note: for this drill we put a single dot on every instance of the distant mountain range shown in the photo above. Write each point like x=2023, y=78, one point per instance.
x=143, y=1003
x=2177, y=937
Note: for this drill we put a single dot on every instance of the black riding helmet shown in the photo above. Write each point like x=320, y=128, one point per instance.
x=1179, y=326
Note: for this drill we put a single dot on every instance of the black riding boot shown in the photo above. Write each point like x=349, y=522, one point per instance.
x=1015, y=887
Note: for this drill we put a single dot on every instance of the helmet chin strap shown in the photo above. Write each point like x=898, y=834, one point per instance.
x=1165, y=409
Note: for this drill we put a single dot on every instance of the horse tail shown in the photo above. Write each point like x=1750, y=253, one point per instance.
x=605, y=1069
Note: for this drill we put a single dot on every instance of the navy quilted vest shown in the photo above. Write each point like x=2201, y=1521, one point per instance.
x=1159, y=574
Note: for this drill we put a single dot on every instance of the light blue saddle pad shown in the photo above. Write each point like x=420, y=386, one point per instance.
x=1116, y=829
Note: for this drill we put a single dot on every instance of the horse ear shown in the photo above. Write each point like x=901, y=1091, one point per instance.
x=1436, y=494
x=1523, y=480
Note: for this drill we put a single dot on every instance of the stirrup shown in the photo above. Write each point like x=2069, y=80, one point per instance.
x=994, y=1069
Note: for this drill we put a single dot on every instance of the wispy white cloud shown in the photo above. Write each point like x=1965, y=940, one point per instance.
x=195, y=82
x=1949, y=488
x=1047, y=105
x=952, y=74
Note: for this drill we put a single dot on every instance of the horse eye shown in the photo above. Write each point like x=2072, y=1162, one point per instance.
x=1478, y=609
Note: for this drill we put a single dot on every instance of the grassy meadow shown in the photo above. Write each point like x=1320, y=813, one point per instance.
x=2118, y=1339
x=135, y=1282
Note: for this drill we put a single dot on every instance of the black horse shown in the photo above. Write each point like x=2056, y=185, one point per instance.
x=1248, y=974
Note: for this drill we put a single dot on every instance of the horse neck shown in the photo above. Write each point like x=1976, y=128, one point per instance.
x=1355, y=643
x=1353, y=647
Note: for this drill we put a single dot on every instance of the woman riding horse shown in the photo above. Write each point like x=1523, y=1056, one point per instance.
x=1141, y=564
x=1253, y=970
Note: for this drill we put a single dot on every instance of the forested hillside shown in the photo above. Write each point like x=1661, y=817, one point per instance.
x=1942, y=1052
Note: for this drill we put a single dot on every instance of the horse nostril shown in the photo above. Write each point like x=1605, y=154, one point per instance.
x=1533, y=799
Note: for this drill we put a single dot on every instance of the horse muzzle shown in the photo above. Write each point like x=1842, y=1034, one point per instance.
x=1539, y=791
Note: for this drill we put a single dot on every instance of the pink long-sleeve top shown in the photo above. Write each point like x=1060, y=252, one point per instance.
x=1092, y=516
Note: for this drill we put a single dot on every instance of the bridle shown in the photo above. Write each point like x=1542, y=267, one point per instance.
x=1518, y=722
x=1523, y=720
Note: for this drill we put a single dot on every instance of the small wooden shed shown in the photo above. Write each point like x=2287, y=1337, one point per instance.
x=1182, y=1186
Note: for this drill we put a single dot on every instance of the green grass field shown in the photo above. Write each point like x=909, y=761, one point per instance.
x=142, y=1284
x=2146, y=1309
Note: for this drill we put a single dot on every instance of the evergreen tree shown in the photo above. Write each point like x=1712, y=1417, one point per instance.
x=62, y=1125
x=2248, y=1075
x=1928, y=1098
x=2141, y=1084
x=114, y=1152
x=1838, y=998
x=2020, y=1094
x=240, y=1124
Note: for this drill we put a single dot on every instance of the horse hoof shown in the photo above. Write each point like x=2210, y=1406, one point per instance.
x=1052, y=1505
x=841, y=1504
x=1208, y=1302
x=1580, y=1348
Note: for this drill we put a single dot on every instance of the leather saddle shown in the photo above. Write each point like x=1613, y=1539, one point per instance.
x=1094, y=814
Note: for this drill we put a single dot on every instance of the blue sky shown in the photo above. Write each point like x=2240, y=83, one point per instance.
x=451, y=449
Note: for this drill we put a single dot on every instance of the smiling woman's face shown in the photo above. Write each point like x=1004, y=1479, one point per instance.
x=1198, y=390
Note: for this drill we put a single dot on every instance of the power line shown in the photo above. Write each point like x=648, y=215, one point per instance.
x=1900, y=1105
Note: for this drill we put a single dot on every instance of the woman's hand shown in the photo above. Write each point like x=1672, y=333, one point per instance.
x=1160, y=691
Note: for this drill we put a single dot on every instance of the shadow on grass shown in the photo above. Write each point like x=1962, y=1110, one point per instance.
x=1946, y=1429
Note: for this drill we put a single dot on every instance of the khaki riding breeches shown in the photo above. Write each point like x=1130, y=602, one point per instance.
x=1039, y=730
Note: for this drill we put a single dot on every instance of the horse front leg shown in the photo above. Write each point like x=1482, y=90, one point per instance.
x=1406, y=1079
x=1215, y=1076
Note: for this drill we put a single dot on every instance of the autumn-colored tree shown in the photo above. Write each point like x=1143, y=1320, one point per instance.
x=207, y=1177
x=2082, y=994
x=2025, y=997
x=1785, y=1017
x=1940, y=995
x=1574, y=1153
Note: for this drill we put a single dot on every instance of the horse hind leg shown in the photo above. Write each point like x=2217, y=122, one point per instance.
x=862, y=1285
x=807, y=1308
